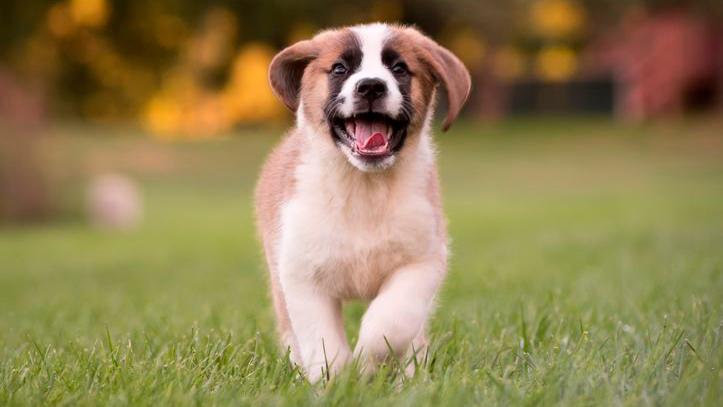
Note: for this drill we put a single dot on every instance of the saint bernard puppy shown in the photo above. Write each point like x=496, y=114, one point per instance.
x=348, y=204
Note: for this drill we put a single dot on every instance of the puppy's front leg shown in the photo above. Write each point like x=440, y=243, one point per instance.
x=317, y=323
x=399, y=312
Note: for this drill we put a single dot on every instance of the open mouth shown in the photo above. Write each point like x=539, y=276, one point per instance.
x=370, y=135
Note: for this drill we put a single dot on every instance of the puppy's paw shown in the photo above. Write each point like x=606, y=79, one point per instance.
x=384, y=336
x=325, y=370
x=317, y=372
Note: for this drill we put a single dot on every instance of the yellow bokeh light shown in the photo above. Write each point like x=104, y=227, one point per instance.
x=509, y=63
x=469, y=47
x=247, y=96
x=556, y=18
x=60, y=22
x=183, y=108
x=186, y=106
x=91, y=13
x=556, y=63
x=212, y=46
x=163, y=115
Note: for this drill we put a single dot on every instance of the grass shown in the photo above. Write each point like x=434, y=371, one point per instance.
x=587, y=270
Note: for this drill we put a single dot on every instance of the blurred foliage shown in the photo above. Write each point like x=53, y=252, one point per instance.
x=194, y=69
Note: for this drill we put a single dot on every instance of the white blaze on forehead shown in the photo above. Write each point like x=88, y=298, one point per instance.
x=372, y=38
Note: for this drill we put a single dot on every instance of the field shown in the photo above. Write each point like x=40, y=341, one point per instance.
x=587, y=270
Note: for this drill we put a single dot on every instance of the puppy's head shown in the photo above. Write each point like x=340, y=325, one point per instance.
x=369, y=88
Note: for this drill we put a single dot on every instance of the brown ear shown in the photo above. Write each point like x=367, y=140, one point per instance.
x=448, y=70
x=287, y=69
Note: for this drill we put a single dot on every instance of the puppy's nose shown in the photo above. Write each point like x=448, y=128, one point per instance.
x=371, y=88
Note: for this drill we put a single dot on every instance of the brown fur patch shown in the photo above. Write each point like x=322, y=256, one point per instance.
x=314, y=84
x=435, y=64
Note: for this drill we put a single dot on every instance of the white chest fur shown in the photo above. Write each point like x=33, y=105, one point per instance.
x=348, y=230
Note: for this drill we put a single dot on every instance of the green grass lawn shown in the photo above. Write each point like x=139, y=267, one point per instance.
x=587, y=270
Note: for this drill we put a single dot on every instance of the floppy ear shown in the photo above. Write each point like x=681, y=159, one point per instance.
x=451, y=73
x=287, y=69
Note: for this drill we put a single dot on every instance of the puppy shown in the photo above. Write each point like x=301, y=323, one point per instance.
x=348, y=203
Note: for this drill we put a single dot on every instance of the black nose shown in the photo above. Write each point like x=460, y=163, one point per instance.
x=371, y=88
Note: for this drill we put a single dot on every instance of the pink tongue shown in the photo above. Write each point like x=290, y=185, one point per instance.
x=370, y=135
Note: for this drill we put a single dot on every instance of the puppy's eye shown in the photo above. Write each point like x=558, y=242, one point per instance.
x=400, y=68
x=338, y=69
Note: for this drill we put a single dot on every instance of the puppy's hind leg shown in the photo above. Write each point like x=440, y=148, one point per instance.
x=284, y=330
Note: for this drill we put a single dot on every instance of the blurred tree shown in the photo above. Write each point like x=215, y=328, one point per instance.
x=167, y=61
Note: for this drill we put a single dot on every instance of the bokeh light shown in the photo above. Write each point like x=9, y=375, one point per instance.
x=186, y=70
x=556, y=63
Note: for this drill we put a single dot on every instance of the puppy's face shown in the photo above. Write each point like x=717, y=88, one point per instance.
x=369, y=88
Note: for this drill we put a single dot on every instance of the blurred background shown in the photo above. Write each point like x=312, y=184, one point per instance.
x=186, y=70
x=583, y=184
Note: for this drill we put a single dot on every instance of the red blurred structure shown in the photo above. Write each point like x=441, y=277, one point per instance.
x=661, y=64
x=24, y=192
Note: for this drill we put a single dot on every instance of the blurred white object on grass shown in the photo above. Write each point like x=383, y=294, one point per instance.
x=114, y=201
